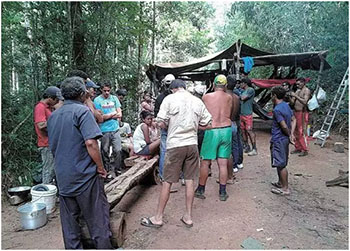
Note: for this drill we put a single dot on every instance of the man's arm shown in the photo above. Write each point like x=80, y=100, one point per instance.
x=292, y=136
x=235, y=106
x=94, y=152
x=42, y=125
x=284, y=128
x=97, y=114
x=249, y=94
x=304, y=98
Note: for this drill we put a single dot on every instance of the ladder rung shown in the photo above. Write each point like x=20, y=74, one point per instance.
x=326, y=123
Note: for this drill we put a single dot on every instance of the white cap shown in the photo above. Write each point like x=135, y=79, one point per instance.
x=200, y=89
x=168, y=79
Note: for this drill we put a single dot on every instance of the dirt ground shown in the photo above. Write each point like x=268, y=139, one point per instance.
x=312, y=217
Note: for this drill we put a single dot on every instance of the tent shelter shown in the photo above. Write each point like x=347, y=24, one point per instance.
x=230, y=61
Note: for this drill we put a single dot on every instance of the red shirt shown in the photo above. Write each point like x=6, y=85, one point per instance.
x=42, y=113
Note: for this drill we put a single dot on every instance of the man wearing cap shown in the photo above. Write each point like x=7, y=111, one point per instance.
x=217, y=141
x=181, y=113
x=110, y=107
x=73, y=134
x=246, y=117
x=42, y=112
x=163, y=132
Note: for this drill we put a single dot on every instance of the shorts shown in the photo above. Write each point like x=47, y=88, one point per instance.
x=181, y=159
x=144, y=151
x=217, y=143
x=279, y=153
x=246, y=122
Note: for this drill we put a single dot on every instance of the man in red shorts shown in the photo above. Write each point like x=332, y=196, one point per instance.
x=300, y=99
x=246, y=117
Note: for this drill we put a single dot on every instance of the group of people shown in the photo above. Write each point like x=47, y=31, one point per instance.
x=70, y=121
x=188, y=131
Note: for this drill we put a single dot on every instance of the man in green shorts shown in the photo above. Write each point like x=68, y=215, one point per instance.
x=217, y=141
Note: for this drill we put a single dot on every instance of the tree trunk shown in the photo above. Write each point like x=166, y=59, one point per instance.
x=78, y=52
x=139, y=56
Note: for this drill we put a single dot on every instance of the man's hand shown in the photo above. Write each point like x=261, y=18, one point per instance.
x=293, y=94
x=102, y=172
x=292, y=139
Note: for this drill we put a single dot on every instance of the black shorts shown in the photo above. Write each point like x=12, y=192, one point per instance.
x=279, y=153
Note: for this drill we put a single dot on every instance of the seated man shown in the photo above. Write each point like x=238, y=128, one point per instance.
x=126, y=138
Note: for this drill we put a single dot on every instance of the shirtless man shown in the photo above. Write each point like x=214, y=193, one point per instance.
x=217, y=141
x=300, y=99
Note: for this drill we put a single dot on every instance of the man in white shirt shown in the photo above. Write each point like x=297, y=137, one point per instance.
x=182, y=114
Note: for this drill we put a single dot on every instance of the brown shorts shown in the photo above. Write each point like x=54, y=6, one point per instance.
x=185, y=159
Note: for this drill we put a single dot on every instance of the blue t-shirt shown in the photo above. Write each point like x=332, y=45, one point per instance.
x=281, y=112
x=247, y=105
x=68, y=129
x=107, y=106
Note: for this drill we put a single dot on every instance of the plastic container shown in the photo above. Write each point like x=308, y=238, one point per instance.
x=46, y=197
x=33, y=215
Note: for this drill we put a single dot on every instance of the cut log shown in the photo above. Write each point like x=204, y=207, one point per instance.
x=342, y=180
x=118, y=229
x=338, y=147
x=117, y=187
x=128, y=162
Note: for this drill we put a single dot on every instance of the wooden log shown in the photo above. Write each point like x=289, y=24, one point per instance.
x=128, y=162
x=338, y=147
x=118, y=229
x=117, y=187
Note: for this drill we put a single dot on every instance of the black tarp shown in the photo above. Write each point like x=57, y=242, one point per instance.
x=191, y=70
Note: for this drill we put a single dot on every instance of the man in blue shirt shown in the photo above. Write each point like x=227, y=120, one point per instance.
x=73, y=134
x=110, y=107
x=282, y=132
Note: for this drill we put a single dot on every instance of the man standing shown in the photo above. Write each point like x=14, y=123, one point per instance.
x=181, y=113
x=217, y=141
x=247, y=99
x=163, y=132
x=300, y=99
x=73, y=134
x=42, y=112
x=283, y=126
x=111, y=112
x=237, y=149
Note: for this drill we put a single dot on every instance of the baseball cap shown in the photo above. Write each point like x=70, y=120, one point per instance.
x=177, y=83
x=200, y=89
x=168, y=79
x=91, y=84
x=220, y=80
x=53, y=91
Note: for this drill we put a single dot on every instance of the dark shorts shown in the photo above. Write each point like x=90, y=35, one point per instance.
x=279, y=153
x=181, y=159
x=144, y=151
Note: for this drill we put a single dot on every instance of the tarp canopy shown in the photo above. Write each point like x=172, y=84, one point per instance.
x=195, y=70
x=269, y=83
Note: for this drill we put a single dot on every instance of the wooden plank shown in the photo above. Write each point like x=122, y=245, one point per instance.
x=116, y=188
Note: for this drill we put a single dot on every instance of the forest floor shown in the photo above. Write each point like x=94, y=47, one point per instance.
x=312, y=217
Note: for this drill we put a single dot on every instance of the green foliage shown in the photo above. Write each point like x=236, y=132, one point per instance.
x=37, y=51
x=291, y=27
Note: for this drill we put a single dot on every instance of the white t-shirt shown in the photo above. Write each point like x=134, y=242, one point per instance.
x=182, y=113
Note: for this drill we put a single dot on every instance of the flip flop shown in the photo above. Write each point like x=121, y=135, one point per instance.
x=279, y=191
x=186, y=224
x=146, y=221
x=276, y=184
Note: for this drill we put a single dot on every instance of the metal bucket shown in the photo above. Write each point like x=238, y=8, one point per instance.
x=33, y=215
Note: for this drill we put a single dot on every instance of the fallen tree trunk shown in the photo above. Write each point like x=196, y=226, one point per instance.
x=115, y=190
x=117, y=187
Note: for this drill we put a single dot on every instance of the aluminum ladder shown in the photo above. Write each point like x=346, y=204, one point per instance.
x=332, y=111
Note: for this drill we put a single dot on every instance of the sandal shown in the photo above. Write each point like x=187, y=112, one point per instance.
x=279, y=191
x=146, y=221
x=276, y=184
x=188, y=225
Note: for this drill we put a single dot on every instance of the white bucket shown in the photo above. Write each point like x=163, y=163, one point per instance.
x=47, y=197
